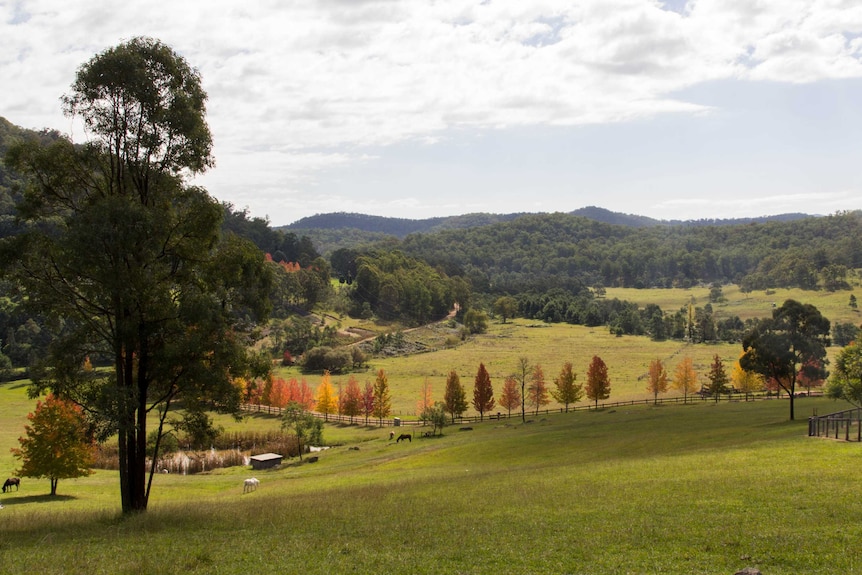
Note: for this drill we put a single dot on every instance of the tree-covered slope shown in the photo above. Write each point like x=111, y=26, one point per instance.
x=549, y=250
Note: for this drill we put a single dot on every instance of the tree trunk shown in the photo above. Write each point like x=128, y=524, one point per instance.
x=54, y=481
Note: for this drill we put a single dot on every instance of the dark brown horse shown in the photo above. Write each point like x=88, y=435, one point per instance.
x=406, y=436
x=10, y=482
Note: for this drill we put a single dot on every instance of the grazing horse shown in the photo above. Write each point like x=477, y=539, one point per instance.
x=10, y=482
x=250, y=485
x=406, y=436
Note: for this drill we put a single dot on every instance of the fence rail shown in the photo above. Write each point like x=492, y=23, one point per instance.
x=398, y=422
x=838, y=425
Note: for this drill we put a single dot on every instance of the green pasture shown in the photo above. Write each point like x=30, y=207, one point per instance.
x=551, y=345
x=833, y=305
x=697, y=489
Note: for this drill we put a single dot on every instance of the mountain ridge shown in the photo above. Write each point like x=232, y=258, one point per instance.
x=401, y=227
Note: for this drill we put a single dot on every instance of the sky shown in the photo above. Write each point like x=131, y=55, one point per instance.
x=422, y=108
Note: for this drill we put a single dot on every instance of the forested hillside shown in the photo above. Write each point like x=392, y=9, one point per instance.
x=538, y=252
x=333, y=231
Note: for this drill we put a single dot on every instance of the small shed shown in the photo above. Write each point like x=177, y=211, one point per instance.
x=266, y=460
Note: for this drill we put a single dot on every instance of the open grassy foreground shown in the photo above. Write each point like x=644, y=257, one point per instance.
x=706, y=488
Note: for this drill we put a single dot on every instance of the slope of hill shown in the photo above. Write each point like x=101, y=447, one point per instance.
x=357, y=229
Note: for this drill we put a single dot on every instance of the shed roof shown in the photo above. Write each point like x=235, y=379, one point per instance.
x=266, y=457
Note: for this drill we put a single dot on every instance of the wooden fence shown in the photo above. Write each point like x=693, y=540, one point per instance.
x=839, y=425
x=531, y=413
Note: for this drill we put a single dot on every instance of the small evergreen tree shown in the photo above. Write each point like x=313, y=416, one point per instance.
x=455, y=398
x=717, y=378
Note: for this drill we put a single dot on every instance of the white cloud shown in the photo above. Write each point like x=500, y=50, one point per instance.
x=319, y=81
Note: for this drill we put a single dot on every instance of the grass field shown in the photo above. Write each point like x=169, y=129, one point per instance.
x=551, y=345
x=697, y=489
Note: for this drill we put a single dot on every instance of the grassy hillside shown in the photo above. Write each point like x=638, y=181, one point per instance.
x=551, y=345
x=697, y=489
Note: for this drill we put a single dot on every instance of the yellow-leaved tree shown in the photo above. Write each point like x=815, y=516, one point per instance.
x=746, y=382
x=685, y=378
x=657, y=382
x=327, y=403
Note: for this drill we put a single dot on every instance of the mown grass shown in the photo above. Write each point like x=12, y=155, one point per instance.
x=701, y=488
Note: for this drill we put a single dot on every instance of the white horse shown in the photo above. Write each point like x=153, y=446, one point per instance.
x=250, y=485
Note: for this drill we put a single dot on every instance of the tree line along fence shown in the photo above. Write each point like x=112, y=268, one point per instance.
x=530, y=413
x=838, y=425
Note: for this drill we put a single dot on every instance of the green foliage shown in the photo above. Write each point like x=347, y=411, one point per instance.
x=129, y=260
x=325, y=358
x=197, y=429
x=435, y=415
x=793, y=340
x=167, y=444
x=307, y=428
x=454, y=397
x=475, y=321
x=539, y=252
x=718, y=378
x=397, y=286
x=843, y=333
x=506, y=307
x=846, y=381
x=566, y=391
x=56, y=444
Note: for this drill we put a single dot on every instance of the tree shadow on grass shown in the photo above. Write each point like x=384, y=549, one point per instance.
x=47, y=498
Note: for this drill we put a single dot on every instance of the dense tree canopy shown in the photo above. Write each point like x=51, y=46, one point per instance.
x=793, y=340
x=128, y=260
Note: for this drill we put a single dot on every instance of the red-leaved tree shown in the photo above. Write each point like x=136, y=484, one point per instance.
x=510, y=397
x=483, y=392
x=598, y=382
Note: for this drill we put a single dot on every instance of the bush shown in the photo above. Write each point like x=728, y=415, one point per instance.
x=329, y=359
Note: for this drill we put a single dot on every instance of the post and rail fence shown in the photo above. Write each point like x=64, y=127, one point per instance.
x=399, y=422
x=838, y=425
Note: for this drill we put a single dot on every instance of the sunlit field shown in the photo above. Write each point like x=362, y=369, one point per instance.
x=551, y=345
x=703, y=488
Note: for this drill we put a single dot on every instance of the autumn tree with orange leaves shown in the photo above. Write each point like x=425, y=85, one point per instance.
x=510, y=397
x=598, y=383
x=56, y=445
x=483, y=392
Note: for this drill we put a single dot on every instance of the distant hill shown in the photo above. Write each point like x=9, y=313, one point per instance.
x=335, y=230
x=401, y=227
x=398, y=227
x=633, y=221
